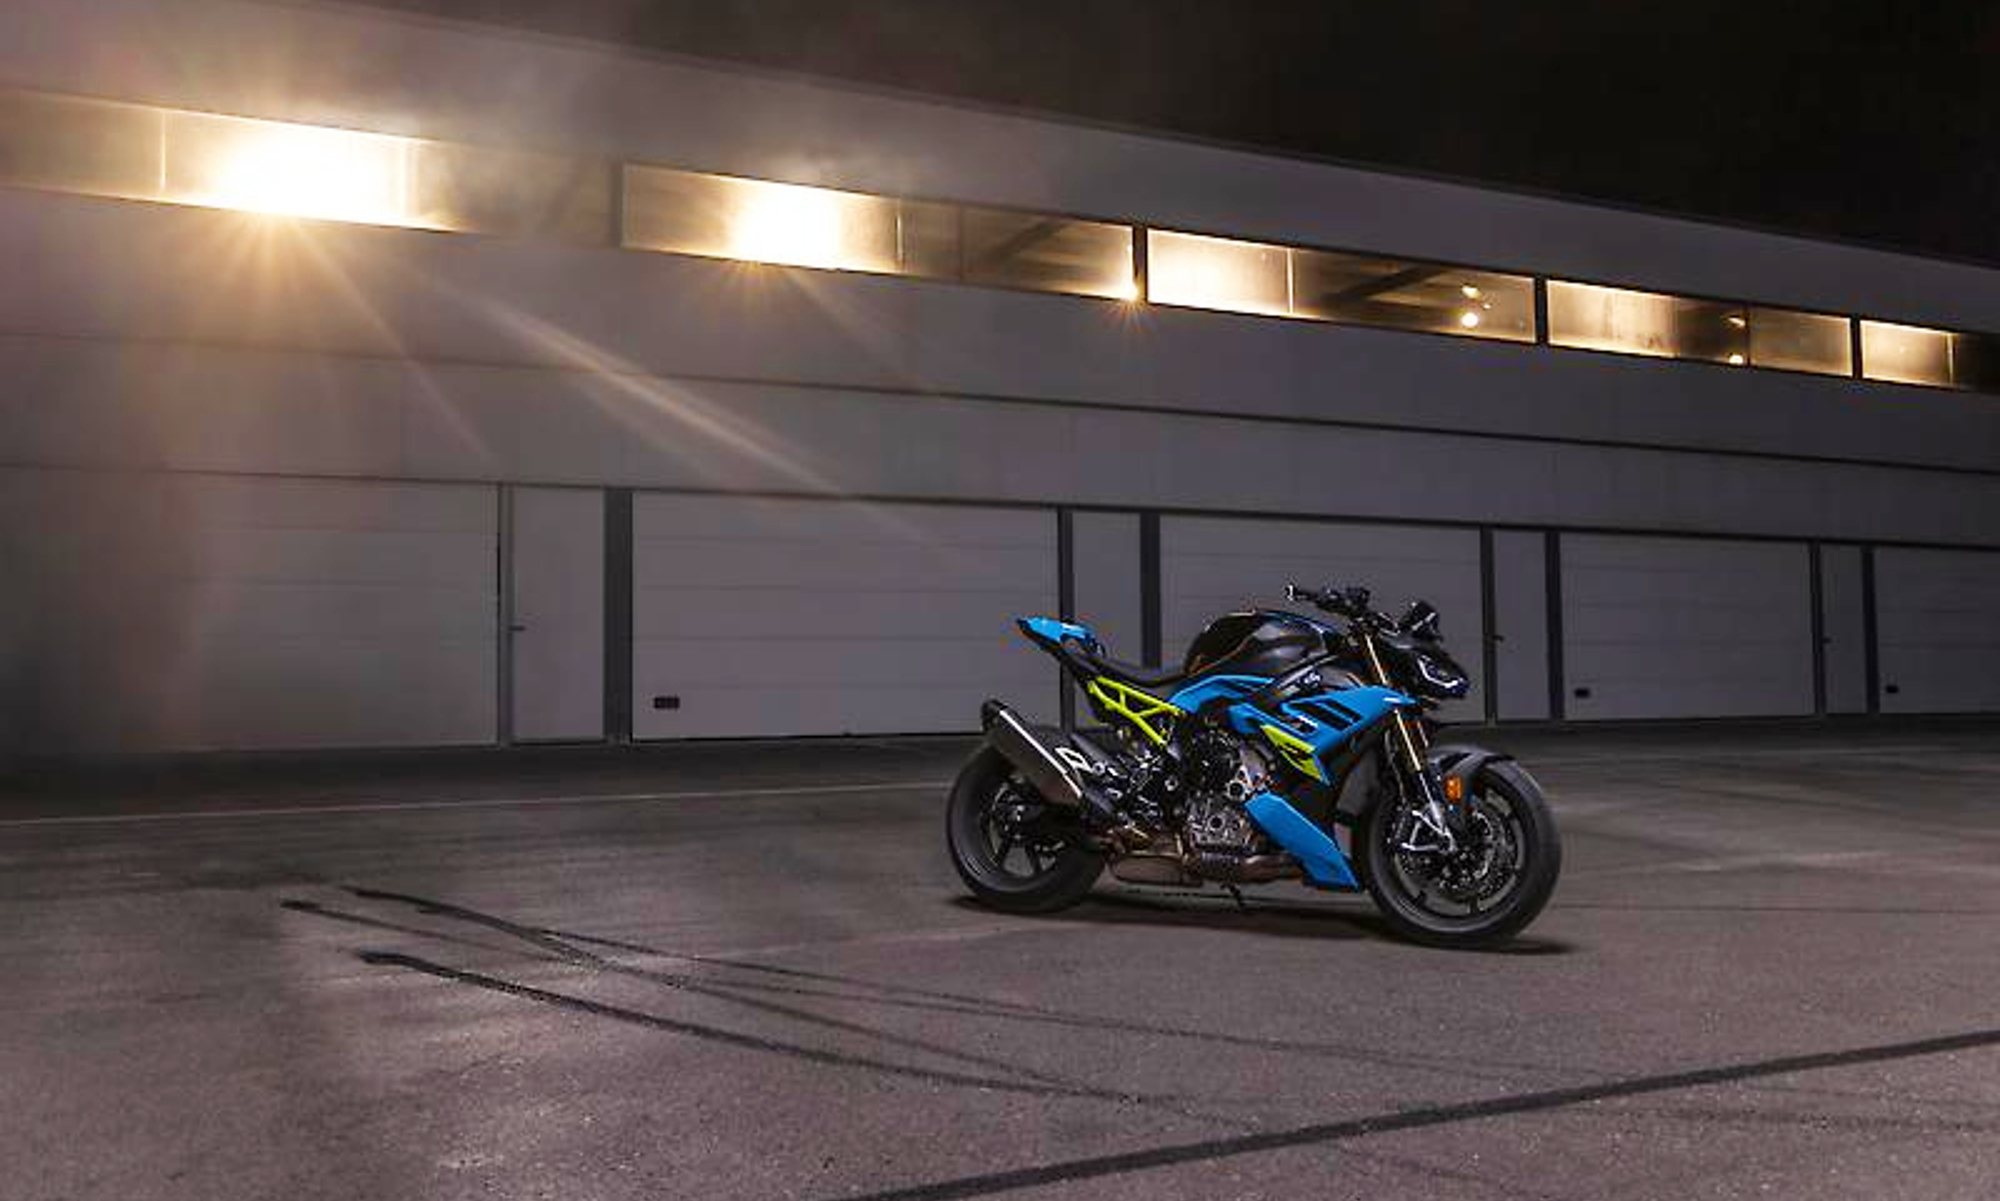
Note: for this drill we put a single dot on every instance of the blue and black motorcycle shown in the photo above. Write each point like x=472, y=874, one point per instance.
x=1283, y=748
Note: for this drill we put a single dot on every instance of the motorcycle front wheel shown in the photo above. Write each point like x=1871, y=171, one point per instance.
x=1491, y=888
x=1015, y=852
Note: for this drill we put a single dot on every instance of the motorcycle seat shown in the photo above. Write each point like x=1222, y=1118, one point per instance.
x=1153, y=678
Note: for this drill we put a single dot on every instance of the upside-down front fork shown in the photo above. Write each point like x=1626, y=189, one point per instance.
x=1413, y=742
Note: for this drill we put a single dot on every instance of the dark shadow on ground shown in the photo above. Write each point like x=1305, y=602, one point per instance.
x=1261, y=917
x=785, y=994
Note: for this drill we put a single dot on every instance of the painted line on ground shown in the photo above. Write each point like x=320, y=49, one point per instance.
x=613, y=798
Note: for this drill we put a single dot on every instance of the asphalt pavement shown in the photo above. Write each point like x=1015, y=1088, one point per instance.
x=1772, y=969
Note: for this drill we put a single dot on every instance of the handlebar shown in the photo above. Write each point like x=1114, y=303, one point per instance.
x=1350, y=602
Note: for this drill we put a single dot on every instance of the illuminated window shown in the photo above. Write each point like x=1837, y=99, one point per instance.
x=1911, y=354
x=1048, y=254
x=1398, y=294
x=1218, y=273
x=72, y=145
x=1649, y=323
x=102, y=148
x=722, y=216
x=293, y=170
x=1793, y=341
x=1251, y=277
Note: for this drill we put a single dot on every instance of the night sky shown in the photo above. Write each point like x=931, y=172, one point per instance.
x=1879, y=124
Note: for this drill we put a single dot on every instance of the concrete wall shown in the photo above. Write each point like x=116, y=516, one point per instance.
x=153, y=336
x=144, y=345
x=360, y=67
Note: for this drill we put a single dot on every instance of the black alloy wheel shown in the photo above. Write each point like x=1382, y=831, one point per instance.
x=1015, y=851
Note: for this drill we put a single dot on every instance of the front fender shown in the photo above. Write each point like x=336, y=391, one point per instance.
x=1360, y=791
x=1462, y=763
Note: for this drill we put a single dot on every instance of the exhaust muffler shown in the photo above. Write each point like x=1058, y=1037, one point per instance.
x=1060, y=783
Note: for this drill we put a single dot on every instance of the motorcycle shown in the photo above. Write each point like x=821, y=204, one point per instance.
x=1284, y=747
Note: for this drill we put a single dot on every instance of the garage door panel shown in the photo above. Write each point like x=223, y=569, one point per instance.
x=869, y=662
x=740, y=612
x=254, y=613
x=346, y=557
x=1665, y=616
x=827, y=565
x=771, y=617
x=1667, y=627
x=1211, y=566
x=311, y=693
x=845, y=708
x=725, y=518
x=259, y=502
x=330, y=611
x=1938, y=625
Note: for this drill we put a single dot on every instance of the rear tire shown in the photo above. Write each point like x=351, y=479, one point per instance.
x=1509, y=796
x=1036, y=867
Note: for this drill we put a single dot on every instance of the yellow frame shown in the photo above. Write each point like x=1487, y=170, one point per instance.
x=1134, y=706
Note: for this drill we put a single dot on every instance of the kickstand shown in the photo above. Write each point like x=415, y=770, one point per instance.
x=1235, y=893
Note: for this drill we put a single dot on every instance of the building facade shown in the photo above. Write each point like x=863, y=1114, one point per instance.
x=377, y=381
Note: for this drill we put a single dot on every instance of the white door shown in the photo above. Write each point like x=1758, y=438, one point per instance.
x=755, y=617
x=1844, y=629
x=1937, y=616
x=1210, y=566
x=1681, y=627
x=1521, y=625
x=556, y=624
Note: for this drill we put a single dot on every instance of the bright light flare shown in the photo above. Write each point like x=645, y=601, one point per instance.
x=1217, y=273
x=808, y=227
x=291, y=170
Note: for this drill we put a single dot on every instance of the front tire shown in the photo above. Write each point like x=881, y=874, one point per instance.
x=1444, y=904
x=1015, y=852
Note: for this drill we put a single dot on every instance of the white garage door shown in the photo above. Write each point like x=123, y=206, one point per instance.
x=1211, y=566
x=1670, y=627
x=192, y=612
x=773, y=617
x=1937, y=621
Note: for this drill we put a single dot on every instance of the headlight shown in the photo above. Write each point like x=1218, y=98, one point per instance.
x=1441, y=679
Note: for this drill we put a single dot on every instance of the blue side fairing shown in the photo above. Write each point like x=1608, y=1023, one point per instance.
x=1318, y=853
x=1325, y=719
x=1193, y=696
x=1322, y=722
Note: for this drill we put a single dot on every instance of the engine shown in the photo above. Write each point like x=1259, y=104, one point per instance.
x=1223, y=842
x=1228, y=772
x=1194, y=811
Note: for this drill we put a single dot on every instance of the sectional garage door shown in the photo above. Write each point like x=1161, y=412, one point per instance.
x=1209, y=566
x=1938, y=622
x=1671, y=627
x=197, y=612
x=777, y=617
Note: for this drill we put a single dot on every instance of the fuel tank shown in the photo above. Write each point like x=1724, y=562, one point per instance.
x=1264, y=642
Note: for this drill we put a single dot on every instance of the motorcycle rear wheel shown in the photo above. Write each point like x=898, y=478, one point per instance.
x=1034, y=866
x=1419, y=909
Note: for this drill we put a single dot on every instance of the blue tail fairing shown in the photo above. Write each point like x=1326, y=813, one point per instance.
x=1055, y=631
